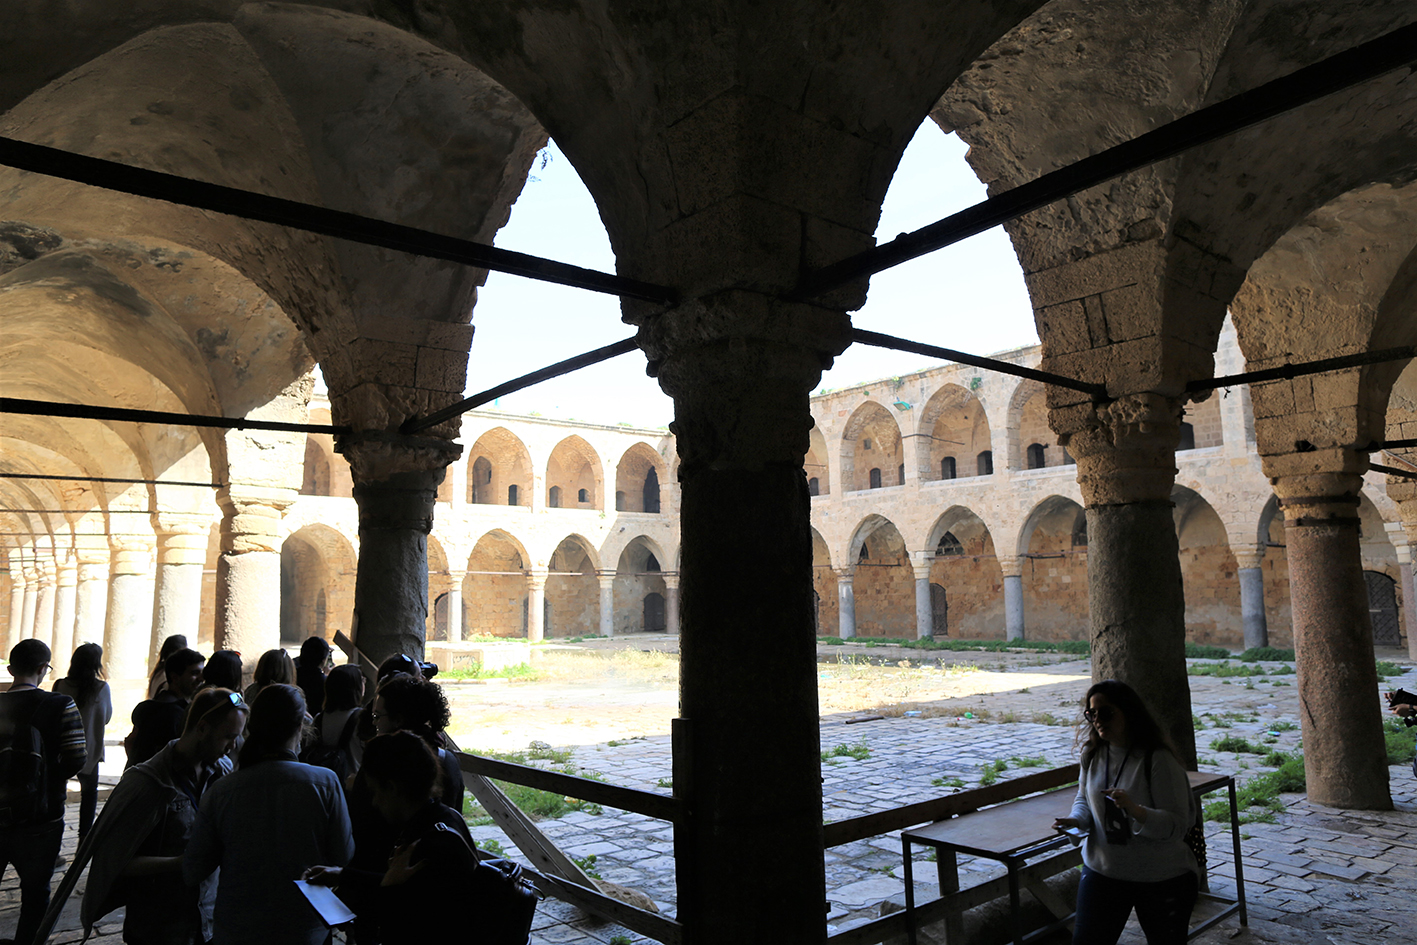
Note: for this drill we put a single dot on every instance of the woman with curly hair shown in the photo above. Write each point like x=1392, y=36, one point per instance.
x=1134, y=806
x=411, y=704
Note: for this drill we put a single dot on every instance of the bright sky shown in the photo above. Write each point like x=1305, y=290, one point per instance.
x=969, y=297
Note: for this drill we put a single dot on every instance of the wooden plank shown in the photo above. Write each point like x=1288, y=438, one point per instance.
x=656, y=926
x=942, y=808
x=533, y=844
x=598, y=792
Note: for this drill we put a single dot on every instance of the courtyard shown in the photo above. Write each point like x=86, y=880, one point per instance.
x=900, y=725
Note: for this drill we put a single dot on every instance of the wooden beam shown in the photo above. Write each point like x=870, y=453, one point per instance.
x=598, y=792
x=534, y=845
x=656, y=926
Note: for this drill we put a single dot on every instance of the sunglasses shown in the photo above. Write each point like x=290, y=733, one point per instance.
x=233, y=700
x=1103, y=714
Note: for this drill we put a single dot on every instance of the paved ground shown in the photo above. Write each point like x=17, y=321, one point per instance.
x=1313, y=876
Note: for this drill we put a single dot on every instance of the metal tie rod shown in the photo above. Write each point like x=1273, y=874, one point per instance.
x=1337, y=72
x=1304, y=368
x=1393, y=471
x=130, y=482
x=41, y=408
x=415, y=424
x=878, y=340
x=248, y=205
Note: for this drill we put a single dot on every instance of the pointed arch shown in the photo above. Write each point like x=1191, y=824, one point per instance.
x=638, y=478
x=499, y=469
x=870, y=441
x=574, y=470
x=954, y=430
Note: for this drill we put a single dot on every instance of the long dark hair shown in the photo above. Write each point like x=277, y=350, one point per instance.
x=223, y=670
x=86, y=673
x=405, y=761
x=1143, y=733
x=277, y=714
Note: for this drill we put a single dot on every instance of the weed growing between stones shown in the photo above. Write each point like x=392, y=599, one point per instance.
x=1272, y=654
x=858, y=750
x=1398, y=739
x=1236, y=744
x=1386, y=669
x=954, y=782
x=536, y=803
x=1226, y=668
x=1037, y=761
x=1258, y=798
x=992, y=771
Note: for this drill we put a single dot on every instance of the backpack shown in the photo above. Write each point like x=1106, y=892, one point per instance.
x=505, y=899
x=24, y=768
x=335, y=757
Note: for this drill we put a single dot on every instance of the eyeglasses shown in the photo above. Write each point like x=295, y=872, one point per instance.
x=1101, y=714
x=233, y=700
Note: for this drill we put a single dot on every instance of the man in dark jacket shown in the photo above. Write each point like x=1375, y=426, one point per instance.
x=159, y=720
x=41, y=746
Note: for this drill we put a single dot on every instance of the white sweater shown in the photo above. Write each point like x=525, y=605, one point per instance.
x=1156, y=849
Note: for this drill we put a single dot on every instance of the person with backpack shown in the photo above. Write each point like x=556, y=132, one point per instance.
x=334, y=744
x=90, y=693
x=432, y=861
x=159, y=720
x=138, y=842
x=42, y=745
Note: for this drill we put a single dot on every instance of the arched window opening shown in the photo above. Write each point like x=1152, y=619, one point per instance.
x=651, y=491
x=875, y=478
x=553, y=498
x=947, y=468
x=817, y=612
x=949, y=546
x=1036, y=459
x=866, y=444
x=512, y=495
x=440, y=617
x=1382, y=608
x=813, y=486
x=481, y=478
x=900, y=475
x=939, y=610
x=986, y=463
x=652, y=564
x=583, y=496
x=864, y=553
x=619, y=501
x=1080, y=532
x=1188, y=437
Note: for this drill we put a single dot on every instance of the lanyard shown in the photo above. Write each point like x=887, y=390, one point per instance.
x=1120, y=768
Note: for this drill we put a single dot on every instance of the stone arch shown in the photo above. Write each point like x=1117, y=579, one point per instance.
x=953, y=427
x=440, y=581
x=870, y=440
x=498, y=462
x=1052, y=546
x=964, y=564
x=572, y=589
x=495, y=587
x=1028, y=415
x=884, y=582
x=574, y=468
x=639, y=573
x=313, y=559
x=316, y=480
x=1209, y=572
x=1377, y=548
x=815, y=464
x=639, y=477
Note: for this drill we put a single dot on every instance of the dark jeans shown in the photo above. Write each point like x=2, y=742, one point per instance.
x=88, y=800
x=33, y=850
x=1163, y=909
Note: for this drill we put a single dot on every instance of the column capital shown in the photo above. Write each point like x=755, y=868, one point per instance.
x=606, y=578
x=67, y=573
x=376, y=456
x=671, y=579
x=1125, y=449
x=845, y=575
x=1317, y=488
x=536, y=577
x=920, y=563
x=1010, y=565
x=1248, y=556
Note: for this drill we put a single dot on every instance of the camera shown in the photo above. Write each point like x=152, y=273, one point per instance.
x=429, y=670
x=1115, y=823
x=1402, y=697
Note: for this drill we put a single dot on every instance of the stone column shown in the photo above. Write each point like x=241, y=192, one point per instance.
x=130, y=611
x=1252, y=612
x=742, y=423
x=1012, y=569
x=924, y=613
x=44, y=602
x=177, y=602
x=248, y=571
x=455, y=627
x=31, y=599
x=1344, y=757
x=1126, y=459
x=1406, y=495
x=18, y=584
x=396, y=484
x=91, y=595
x=66, y=587
x=671, y=605
x=846, y=604
x=536, y=604
x=607, y=602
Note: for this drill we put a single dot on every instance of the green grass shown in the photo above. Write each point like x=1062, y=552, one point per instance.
x=1257, y=799
x=1197, y=722
x=1079, y=647
x=1037, y=761
x=538, y=804
x=1284, y=725
x=1398, y=739
x=1195, y=651
x=948, y=782
x=1236, y=744
x=1386, y=669
x=992, y=771
x=1223, y=669
x=859, y=751
x=493, y=847
x=1267, y=653
x=521, y=671
x=587, y=865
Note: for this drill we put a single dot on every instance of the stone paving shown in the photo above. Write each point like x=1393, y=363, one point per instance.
x=1314, y=875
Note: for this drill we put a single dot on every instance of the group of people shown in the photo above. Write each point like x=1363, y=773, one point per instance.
x=228, y=798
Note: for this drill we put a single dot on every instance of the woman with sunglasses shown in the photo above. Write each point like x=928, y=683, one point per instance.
x=138, y=841
x=1133, y=807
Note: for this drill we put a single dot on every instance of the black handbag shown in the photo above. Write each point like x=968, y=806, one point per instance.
x=506, y=901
